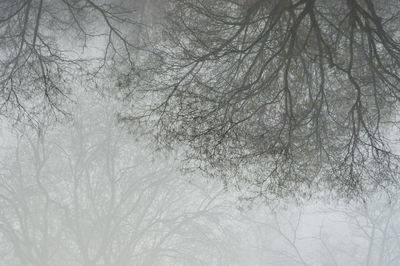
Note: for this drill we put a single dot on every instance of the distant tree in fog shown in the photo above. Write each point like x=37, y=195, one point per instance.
x=88, y=194
x=357, y=234
x=375, y=238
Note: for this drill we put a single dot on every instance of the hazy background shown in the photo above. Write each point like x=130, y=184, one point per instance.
x=84, y=187
x=88, y=191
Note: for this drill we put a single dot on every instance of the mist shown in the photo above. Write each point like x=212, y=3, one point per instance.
x=188, y=132
x=89, y=192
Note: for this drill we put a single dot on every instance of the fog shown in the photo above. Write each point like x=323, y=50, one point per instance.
x=88, y=191
x=153, y=133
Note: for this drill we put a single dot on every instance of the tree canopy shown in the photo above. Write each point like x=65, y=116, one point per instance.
x=288, y=96
x=46, y=45
x=302, y=92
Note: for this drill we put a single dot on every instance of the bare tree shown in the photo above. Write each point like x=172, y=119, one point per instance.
x=374, y=232
x=91, y=195
x=306, y=90
x=46, y=45
x=346, y=234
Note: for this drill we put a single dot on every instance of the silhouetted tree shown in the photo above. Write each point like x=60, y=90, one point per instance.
x=46, y=45
x=303, y=92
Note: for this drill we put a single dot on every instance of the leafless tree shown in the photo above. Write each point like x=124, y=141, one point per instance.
x=306, y=90
x=374, y=232
x=46, y=45
x=347, y=234
x=91, y=195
